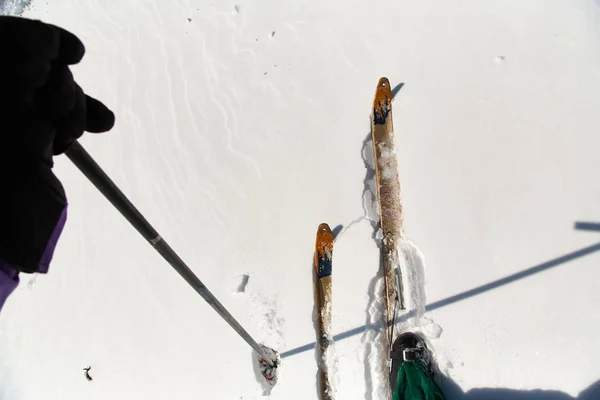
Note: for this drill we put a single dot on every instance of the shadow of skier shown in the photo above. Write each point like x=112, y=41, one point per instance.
x=453, y=392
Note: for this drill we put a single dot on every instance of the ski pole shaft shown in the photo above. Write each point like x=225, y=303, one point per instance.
x=86, y=164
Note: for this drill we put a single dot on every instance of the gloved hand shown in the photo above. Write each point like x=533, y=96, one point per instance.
x=42, y=109
x=42, y=112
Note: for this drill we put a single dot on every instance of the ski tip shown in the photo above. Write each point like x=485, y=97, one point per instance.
x=323, y=251
x=324, y=229
x=384, y=84
x=324, y=236
x=382, y=104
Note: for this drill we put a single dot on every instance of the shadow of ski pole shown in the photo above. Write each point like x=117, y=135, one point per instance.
x=465, y=295
x=587, y=226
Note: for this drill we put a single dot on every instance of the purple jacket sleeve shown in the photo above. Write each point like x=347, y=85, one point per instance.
x=33, y=211
x=9, y=279
x=9, y=275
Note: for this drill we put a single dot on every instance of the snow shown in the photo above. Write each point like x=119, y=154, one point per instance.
x=386, y=158
x=236, y=143
x=326, y=312
x=375, y=343
x=14, y=7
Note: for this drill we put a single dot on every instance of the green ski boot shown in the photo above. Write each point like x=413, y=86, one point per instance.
x=411, y=376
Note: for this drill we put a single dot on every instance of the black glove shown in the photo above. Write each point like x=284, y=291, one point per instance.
x=42, y=109
x=42, y=112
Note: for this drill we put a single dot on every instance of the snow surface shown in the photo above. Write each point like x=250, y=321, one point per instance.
x=14, y=7
x=243, y=125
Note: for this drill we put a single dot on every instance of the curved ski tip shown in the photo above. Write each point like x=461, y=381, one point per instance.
x=324, y=236
x=382, y=103
x=384, y=87
x=324, y=228
x=383, y=82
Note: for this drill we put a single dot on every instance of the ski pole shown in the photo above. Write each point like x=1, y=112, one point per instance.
x=86, y=164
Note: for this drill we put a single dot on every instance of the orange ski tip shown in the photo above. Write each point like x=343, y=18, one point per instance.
x=382, y=103
x=383, y=83
x=324, y=240
x=324, y=228
x=324, y=236
x=384, y=91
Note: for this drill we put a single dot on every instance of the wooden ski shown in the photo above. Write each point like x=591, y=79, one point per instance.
x=323, y=265
x=388, y=192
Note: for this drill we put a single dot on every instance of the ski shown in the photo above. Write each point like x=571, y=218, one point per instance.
x=323, y=265
x=388, y=194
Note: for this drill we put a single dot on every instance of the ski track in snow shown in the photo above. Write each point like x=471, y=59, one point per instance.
x=369, y=194
x=374, y=338
x=374, y=343
x=413, y=276
x=333, y=359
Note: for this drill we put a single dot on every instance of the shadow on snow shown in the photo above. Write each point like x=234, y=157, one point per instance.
x=466, y=294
